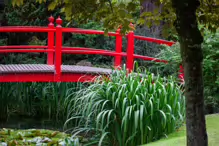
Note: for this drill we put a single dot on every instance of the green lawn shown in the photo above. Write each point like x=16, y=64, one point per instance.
x=179, y=138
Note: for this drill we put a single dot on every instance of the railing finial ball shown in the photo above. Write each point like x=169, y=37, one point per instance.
x=59, y=21
x=51, y=19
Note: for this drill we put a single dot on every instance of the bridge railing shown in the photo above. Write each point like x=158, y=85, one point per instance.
x=55, y=48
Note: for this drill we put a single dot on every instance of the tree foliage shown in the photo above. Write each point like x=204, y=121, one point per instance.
x=111, y=13
x=114, y=13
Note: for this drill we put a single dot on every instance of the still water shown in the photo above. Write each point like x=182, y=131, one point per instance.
x=17, y=122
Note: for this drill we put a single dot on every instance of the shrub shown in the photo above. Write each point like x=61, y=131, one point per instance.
x=210, y=67
x=128, y=110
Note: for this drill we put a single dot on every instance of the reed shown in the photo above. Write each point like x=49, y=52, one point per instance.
x=127, y=110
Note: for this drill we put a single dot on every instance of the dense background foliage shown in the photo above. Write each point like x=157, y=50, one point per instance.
x=210, y=67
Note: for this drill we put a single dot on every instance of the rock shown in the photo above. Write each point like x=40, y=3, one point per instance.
x=84, y=63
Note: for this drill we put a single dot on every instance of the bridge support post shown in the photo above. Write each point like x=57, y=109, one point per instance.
x=50, y=55
x=181, y=74
x=58, y=50
x=130, y=51
x=118, y=58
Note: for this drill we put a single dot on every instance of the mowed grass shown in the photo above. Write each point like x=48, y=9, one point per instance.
x=179, y=138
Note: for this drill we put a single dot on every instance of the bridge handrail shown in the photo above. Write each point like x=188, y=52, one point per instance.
x=84, y=51
x=23, y=47
x=26, y=29
x=55, y=48
x=154, y=40
x=87, y=31
x=26, y=50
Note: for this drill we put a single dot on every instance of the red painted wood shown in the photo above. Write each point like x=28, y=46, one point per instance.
x=100, y=52
x=81, y=49
x=23, y=47
x=146, y=58
x=27, y=77
x=50, y=55
x=154, y=40
x=25, y=51
x=46, y=77
x=118, y=58
x=22, y=27
x=130, y=51
x=86, y=31
x=26, y=29
x=91, y=51
x=181, y=74
x=58, y=49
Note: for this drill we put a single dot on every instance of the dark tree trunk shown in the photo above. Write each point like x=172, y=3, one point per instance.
x=150, y=6
x=192, y=56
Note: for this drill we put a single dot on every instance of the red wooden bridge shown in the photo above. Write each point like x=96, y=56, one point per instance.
x=54, y=71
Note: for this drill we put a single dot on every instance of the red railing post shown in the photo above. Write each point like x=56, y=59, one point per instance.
x=50, y=55
x=58, y=49
x=130, y=51
x=118, y=58
x=181, y=74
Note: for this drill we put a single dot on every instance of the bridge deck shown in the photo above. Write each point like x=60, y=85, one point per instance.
x=46, y=73
x=43, y=68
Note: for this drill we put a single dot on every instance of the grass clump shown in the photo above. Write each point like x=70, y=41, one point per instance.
x=37, y=100
x=128, y=109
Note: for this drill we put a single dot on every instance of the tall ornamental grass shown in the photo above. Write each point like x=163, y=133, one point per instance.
x=48, y=101
x=210, y=47
x=128, y=110
x=6, y=98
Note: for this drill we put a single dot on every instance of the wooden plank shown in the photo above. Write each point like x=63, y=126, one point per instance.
x=44, y=68
x=84, y=69
x=26, y=68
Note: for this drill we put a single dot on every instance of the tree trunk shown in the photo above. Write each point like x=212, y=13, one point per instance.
x=192, y=56
x=150, y=6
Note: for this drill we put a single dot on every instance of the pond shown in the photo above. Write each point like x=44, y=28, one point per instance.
x=29, y=131
x=21, y=122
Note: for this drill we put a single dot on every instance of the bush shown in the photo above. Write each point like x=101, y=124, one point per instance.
x=210, y=67
x=128, y=110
